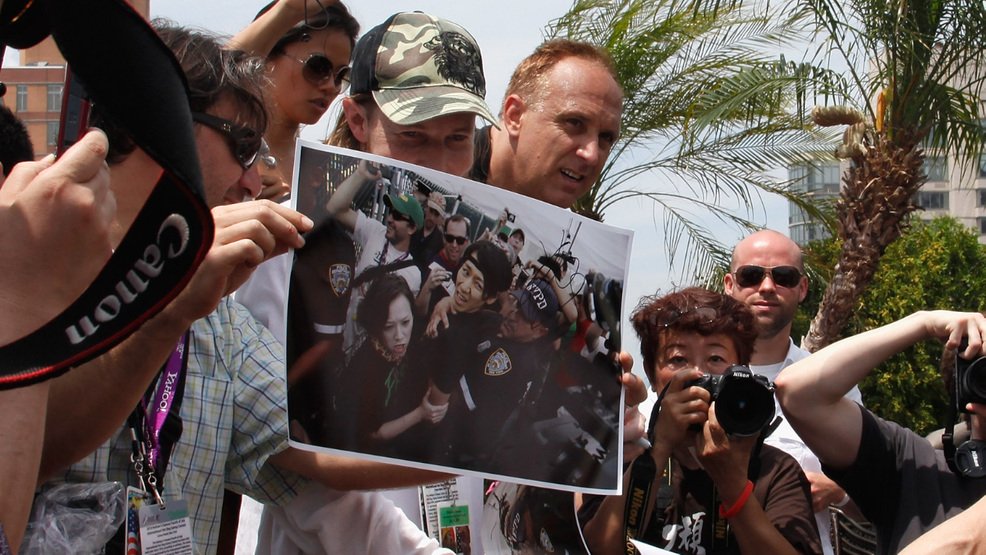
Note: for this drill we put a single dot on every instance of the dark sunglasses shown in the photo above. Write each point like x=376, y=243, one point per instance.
x=752, y=276
x=400, y=216
x=319, y=69
x=244, y=142
x=449, y=238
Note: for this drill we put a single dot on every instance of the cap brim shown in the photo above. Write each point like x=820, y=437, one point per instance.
x=412, y=106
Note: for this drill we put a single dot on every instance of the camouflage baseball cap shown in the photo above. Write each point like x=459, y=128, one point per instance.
x=420, y=67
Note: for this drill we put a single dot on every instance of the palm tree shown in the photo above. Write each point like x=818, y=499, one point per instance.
x=923, y=62
x=709, y=103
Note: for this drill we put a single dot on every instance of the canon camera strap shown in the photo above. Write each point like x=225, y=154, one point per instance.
x=129, y=71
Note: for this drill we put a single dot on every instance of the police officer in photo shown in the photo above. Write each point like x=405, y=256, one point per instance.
x=508, y=369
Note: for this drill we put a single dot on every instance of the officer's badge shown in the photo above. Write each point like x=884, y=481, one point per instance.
x=498, y=364
x=546, y=541
x=339, y=275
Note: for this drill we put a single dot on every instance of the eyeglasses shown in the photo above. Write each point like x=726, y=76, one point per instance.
x=318, y=71
x=752, y=276
x=666, y=318
x=400, y=216
x=244, y=142
x=449, y=238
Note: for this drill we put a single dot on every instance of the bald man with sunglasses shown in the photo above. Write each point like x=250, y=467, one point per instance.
x=767, y=273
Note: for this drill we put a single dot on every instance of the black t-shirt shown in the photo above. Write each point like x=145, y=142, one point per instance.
x=902, y=484
x=424, y=247
x=372, y=390
x=691, y=519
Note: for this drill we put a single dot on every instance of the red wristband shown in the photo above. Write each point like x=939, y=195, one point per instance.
x=738, y=506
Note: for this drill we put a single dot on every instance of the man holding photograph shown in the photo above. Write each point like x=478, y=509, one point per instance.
x=559, y=119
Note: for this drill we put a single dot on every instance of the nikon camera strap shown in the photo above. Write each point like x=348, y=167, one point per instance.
x=109, y=45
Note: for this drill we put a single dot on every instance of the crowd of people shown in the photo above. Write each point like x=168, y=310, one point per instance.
x=430, y=322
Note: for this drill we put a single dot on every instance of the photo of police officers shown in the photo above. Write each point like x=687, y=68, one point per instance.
x=489, y=355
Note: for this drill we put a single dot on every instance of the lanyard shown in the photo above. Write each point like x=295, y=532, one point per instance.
x=170, y=388
x=147, y=423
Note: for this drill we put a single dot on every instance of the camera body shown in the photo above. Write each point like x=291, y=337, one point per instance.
x=744, y=400
x=970, y=379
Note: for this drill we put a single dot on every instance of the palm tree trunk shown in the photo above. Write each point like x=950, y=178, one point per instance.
x=876, y=196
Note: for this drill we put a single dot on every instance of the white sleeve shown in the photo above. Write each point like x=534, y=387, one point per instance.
x=265, y=294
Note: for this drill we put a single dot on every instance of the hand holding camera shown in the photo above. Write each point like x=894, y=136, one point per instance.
x=683, y=408
x=725, y=457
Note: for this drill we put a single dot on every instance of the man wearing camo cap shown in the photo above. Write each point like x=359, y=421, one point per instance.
x=416, y=88
x=415, y=72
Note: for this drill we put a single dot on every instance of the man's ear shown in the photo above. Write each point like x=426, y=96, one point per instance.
x=803, y=288
x=514, y=109
x=727, y=284
x=491, y=300
x=357, y=118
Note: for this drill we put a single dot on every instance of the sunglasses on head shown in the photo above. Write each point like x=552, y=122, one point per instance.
x=244, y=141
x=449, y=238
x=666, y=318
x=319, y=69
x=752, y=276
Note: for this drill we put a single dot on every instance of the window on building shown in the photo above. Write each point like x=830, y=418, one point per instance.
x=981, y=197
x=822, y=177
x=936, y=167
x=52, y=133
x=54, y=98
x=933, y=200
x=21, y=98
x=982, y=166
x=982, y=226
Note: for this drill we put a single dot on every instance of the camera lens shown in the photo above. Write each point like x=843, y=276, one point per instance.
x=744, y=407
x=974, y=381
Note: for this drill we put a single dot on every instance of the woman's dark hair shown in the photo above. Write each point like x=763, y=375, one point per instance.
x=493, y=263
x=333, y=16
x=374, y=309
x=677, y=311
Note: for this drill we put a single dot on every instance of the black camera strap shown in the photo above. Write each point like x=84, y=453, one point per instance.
x=642, y=474
x=107, y=43
x=643, y=471
x=969, y=459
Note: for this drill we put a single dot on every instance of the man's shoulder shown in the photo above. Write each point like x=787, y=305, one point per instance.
x=795, y=354
x=228, y=337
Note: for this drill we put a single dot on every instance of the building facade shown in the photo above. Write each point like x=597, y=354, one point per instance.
x=954, y=187
x=34, y=89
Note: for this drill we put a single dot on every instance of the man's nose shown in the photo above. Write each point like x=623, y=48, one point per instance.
x=250, y=181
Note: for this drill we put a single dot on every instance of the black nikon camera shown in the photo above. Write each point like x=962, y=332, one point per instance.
x=744, y=400
x=969, y=459
x=970, y=379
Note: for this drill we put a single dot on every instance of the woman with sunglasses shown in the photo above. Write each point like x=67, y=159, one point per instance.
x=721, y=494
x=308, y=45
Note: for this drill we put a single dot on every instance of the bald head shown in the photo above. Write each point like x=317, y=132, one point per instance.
x=774, y=304
x=767, y=243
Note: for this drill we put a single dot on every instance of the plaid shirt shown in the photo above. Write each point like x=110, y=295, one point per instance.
x=234, y=415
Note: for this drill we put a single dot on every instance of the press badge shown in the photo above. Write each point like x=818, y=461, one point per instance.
x=165, y=529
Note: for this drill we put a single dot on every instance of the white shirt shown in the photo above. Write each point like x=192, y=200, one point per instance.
x=787, y=440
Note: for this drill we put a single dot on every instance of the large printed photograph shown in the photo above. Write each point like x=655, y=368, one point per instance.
x=441, y=323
